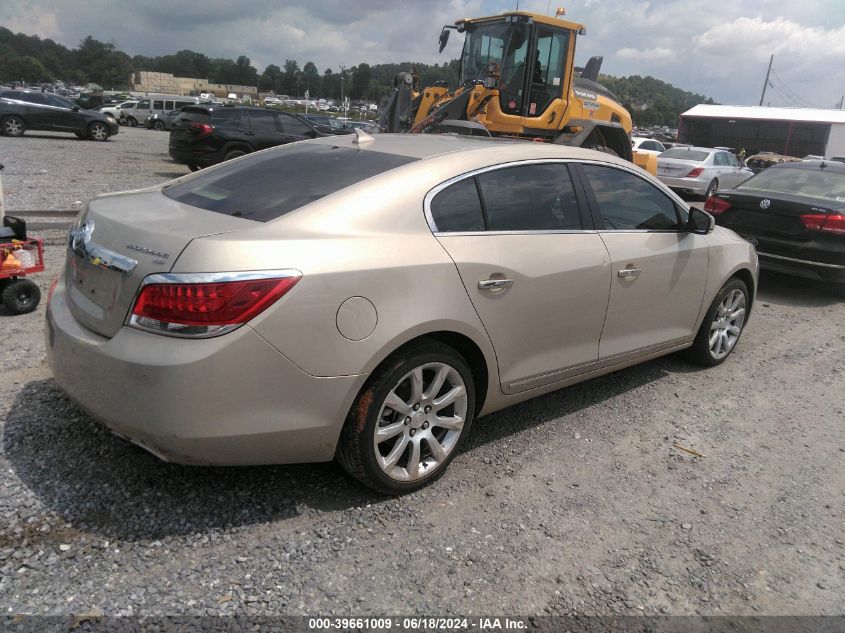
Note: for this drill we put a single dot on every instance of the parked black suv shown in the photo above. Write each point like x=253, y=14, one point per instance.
x=204, y=135
x=22, y=110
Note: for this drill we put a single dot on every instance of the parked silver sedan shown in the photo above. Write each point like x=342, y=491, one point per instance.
x=367, y=299
x=700, y=171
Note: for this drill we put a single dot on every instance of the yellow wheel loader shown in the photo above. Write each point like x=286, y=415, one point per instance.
x=518, y=80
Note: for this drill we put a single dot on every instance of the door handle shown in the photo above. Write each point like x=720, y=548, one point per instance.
x=494, y=284
x=629, y=273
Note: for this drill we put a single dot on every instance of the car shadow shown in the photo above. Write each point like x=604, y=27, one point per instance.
x=780, y=289
x=172, y=174
x=99, y=483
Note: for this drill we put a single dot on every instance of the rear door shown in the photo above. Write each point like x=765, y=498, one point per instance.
x=536, y=274
x=265, y=129
x=659, y=270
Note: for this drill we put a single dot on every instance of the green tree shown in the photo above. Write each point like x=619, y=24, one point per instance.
x=360, y=81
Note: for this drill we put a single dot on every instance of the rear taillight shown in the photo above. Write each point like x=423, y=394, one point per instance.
x=695, y=173
x=825, y=222
x=201, y=129
x=202, y=305
x=716, y=206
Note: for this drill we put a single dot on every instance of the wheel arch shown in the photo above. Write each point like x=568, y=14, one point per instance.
x=746, y=277
x=468, y=348
x=232, y=145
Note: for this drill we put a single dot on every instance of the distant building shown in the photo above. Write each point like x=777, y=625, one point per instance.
x=788, y=131
x=148, y=81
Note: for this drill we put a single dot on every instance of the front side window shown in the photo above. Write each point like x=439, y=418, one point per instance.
x=627, y=202
x=530, y=198
x=144, y=104
x=292, y=125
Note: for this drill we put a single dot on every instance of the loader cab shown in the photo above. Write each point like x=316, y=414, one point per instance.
x=528, y=61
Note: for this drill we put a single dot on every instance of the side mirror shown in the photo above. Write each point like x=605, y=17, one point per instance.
x=444, y=38
x=700, y=222
x=75, y=109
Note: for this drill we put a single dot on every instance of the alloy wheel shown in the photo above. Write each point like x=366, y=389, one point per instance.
x=13, y=126
x=727, y=324
x=99, y=132
x=420, y=422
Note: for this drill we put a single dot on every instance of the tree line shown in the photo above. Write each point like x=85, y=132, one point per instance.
x=32, y=59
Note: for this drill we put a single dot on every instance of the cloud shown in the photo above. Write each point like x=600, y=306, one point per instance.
x=717, y=49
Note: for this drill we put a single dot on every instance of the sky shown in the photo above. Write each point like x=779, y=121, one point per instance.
x=717, y=48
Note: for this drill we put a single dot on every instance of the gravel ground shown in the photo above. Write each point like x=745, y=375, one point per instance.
x=45, y=170
x=573, y=503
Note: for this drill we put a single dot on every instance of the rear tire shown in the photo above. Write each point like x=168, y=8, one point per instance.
x=131, y=121
x=235, y=153
x=603, y=149
x=722, y=325
x=412, y=449
x=20, y=296
x=13, y=126
x=194, y=167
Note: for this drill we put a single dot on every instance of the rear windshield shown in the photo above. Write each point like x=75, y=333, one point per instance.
x=268, y=185
x=815, y=183
x=684, y=153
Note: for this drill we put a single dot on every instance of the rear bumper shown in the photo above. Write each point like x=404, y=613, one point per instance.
x=190, y=156
x=230, y=400
x=687, y=185
x=834, y=273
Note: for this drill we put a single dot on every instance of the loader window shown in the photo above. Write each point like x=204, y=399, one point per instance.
x=547, y=78
x=506, y=45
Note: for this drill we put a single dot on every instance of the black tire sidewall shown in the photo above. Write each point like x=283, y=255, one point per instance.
x=701, y=347
x=370, y=403
x=234, y=153
x=10, y=118
x=11, y=300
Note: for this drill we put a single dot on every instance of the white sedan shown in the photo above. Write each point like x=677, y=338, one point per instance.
x=647, y=145
x=700, y=170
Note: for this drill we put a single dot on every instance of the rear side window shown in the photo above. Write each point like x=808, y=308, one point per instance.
x=269, y=184
x=530, y=198
x=228, y=117
x=144, y=104
x=458, y=208
x=628, y=202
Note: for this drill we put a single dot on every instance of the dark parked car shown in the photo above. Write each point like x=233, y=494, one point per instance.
x=204, y=135
x=328, y=124
x=22, y=110
x=795, y=214
x=163, y=121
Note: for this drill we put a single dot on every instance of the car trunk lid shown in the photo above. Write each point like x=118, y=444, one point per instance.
x=760, y=215
x=122, y=239
x=676, y=167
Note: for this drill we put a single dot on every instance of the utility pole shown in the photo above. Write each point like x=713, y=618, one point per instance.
x=766, y=83
x=841, y=102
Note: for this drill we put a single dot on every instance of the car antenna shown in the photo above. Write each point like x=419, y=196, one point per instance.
x=361, y=137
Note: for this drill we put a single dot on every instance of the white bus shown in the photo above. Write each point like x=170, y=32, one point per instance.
x=154, y=103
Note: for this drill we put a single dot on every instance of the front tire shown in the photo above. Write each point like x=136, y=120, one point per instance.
x=13, y=126
x=722, y=325
x=98, y=131
x=20, y=296
x=409, y=420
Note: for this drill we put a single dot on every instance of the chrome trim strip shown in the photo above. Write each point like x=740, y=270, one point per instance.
x=801, y=261
x=210, y=278
x=633, y=169
x=79, y=241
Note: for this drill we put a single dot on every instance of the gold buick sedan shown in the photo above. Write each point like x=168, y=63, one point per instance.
x=366, y=299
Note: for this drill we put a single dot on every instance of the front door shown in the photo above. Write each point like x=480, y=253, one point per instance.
x=659, y=270
x=537, y=279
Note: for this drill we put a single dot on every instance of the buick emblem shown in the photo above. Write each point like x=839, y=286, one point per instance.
x=765, y=203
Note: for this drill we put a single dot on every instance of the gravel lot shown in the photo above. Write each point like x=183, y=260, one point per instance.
x=44, y=170
x=574, y=503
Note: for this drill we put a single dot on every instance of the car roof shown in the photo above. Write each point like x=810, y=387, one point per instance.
x=476, y=148
x=833, y=166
